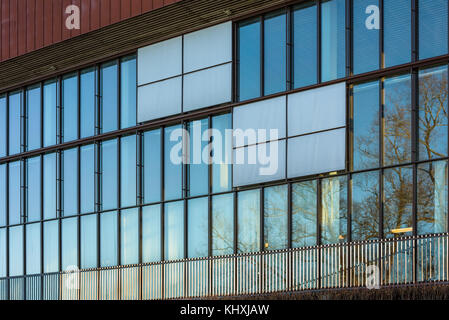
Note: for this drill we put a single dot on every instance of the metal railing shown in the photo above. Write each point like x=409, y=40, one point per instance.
x=396, y=261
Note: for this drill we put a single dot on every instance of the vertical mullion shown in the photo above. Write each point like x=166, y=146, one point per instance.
x=381, y=36
x=262, y=215
x=262, y=56
x=349, y=36
x=119, y=202
x=119, y=94
x=162, y=208
x=210, y=188
x=381, y=154
x=318, y=4
x=415, y=30
x=288, y=58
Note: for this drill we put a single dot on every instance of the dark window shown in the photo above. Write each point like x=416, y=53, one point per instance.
x=433, y=32
x=70, y=107
x=397, y=32
x=275, y=65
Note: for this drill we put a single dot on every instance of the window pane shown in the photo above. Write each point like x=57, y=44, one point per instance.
x=173, y=163
x=50, y=113
x=128, y=171
x=152, y=166
x=16, y=251
x=366, y=37
x=88, y=102
x=129, y=236
x=3, y=122
x=198, y=226
x=49, y=176
x=433, y=97
x=128, y=83
x=51, y=246
x=34, y=189
x=89, y=241
x=198, y=170
x=15, y=106
x=275, y=47
x=14, y=193
x=223, y=225
x=366, y=126
x=397, y=32
x=432, y=28
x=70, y=107
x=432, y=197
x=33, y=109
x=109, y=96
x=305, y=28
x=109, y=174
x=334, y=213
x=248, y=221
x=108, y=239
x=69, y=243
x=3, y=252
x=304, y=214
x=333, y=38
x=397, y=120
x=174, y=230
x=151, y=234
x=365, y=206
x=398, y=193
x=33, y=248
x=70, y=166
x=249, y=60
x=276, y=218
x=221, y=153
x=3, y=195
x=87, y=179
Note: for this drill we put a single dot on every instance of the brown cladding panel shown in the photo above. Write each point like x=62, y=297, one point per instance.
x=147, y=5
x=48, y=22
x=105, y=13
x=115, y=11
x=5, y=23
x=76, y=32
x=158, y=4
x=136, y=7
x=30, y=25
x=94, y=14
x=39, y=24
x=13, y=31
x=21, y=26
x=57, y=20
x=125, y=6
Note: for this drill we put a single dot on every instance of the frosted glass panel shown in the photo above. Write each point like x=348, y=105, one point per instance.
x=208, y=47
x=160, y=99
x=317, y=109
x=207, y=87
x=255, y=169
x=160, y=61
x=316, y=153
x=267, y=114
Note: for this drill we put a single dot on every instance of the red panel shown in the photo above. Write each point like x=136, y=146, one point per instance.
x=147, y=5
x=136, y=7
x=6, y=44
x=105, y=12
x=85, y=16
x=57, y=20
x=13, y=31
x=39, y=24
x=115, y=11
x=66, y=33
x=22, y=27
x=48, y=22
x=30, y=25
x=125, y=9
x=94, y=14
x=76, y=32
x=158, y=4
x=167, y=2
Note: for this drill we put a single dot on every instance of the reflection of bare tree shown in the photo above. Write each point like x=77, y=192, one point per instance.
x=223, y=225
x=304, y=210
x=276, y=217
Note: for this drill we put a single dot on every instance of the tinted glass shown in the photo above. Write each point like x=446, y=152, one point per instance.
x=33, y=109
x=128, y=90
x=14, y=193
x=3, y=252
x=109, y=174
x=33, y=248
x=173, y=162
x=51, y=246
x=433, y=30
x=70, y=107
x=152, y=166
x=334, y=213
x=275, y=47
x=174, y=230
x=15, y=106
x=34, y=189
x=397, y=32
x=16, y=251
x=248, y=238
x=70, y=193
x=108, y=239
x=198, y=170
x=129, y=236
x=50, y=112
x=3, y=195
x=87, y=178
x=276, y=218
x=3, y=122
x=151, y=234
x=88, y=102
x=221, y=153
x=49, y=176
x=304, y=214
x=69, y=243
x=223, y=225
x=109, y=96
x=128, y=170
x=89, y=241
x=198, y=226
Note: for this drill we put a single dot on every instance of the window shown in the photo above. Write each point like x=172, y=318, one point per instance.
x=198, y=170
x=365, y=38
x=70, y=178
x=333, y=40
x=108, y=239
x=365, y=206
x=50, y=113
x=88, y=102
x=33, y=189
x=249, y=60
x=276, y=218
x=433, y=108
x=198, y=226
x=152, y=166
x=223, y=225
x=109, y=174
x=50, y=190
x=87, y=178
x=398, y=193
x=15, y=109
x=128, y=90
x=3, y=125
x=432, y=197
x=33, y=110
x=33, y=248
x=304, y=214
x=109, y=96
x=69, y=243
x=275, y=64
x=128, y=169
x=221, y=154
x=89, y=241
x=70, y=107
x=334, y=214
x=51, y=246
x=174, y=230
x=16, y=265
x=3, y=252
x=173, y=162
x=366, y=126
x=129, y=236
x=397, y=32
x=151, y=234
x=305, y=45
x=248, y=238
x=3, y=211
x=15, y=213
x=433, y=28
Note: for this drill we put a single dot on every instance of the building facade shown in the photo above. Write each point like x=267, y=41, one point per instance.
x=176, y=149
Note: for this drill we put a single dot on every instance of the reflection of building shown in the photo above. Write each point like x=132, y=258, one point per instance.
x=86, y=178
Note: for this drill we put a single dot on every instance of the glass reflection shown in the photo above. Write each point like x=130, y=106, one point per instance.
x=70, y=177
x=334, y=210
x=248, y=238
x=151, y=234
x=129, y=236
x=108, y=239
x=33, y=110
x=109, y=96
x=128, y=171
x=276, y=218
x=198, y=170
x=87, y=178
x=51, y=246
x=109, y=174
x=128, y=89
x=304, y=214
x=49, y=176
x=198, y=226
x=173, y=163
x=14, y=193
x=152, y=166
x=3, y=126
x=88, y=102
x=50, y=112
x=275, y=46
x=433, y=24
x=16, y=251
x=3, y=252
x=174, y=230
x=221, y=153
x=89, y=241
x=69, y=243
x=33, y=189
x=70, y=107
x=3, y=211
x=15, y=107
x=397, y=32
x=33, y=248
x=223, y=225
